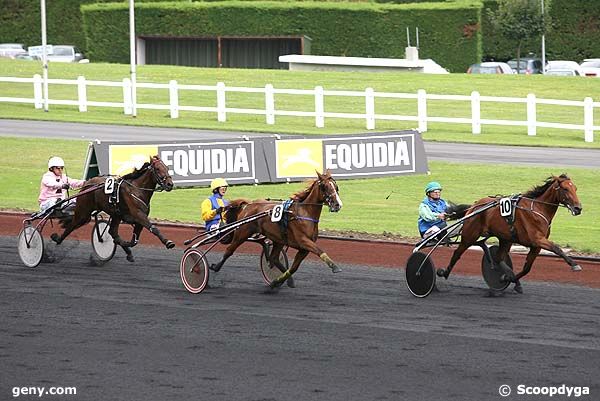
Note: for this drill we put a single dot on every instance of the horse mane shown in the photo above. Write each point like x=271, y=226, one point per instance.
x=540, y=189
x=137, y=172
x=303, y=194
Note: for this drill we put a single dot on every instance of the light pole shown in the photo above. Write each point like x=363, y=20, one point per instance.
x=44, y=54
x=132, y=59
x=543, y=40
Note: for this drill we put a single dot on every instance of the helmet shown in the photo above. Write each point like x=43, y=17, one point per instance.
x=432, y=186
x=56, y=162
x=217, y=183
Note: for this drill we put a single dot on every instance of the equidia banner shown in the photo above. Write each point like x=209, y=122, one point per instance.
x=267, y=158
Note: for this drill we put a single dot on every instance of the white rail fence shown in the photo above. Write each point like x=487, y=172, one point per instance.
x=319, y=114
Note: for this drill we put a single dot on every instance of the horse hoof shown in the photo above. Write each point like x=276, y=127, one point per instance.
x=336, y=269
x=518, y=288
x=170, y=244
x=290, y=283
x=130, y=258
x=54, y=237
x=576, y=268
x=442, y=273
x=214, y=268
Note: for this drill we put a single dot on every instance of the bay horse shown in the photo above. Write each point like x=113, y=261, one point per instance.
x=131, y=205
x=300, y=230
x=529, y=226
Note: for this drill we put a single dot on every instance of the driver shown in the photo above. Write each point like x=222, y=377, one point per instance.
x=54, y=185
x=432, y=210
x=212, y=208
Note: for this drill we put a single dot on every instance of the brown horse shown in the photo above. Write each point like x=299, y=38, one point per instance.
x=131, y=205
x=299, y=229
x=529, y=225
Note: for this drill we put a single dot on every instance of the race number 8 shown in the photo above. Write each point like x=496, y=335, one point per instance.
x=109, y=185
x=277, y=213
x=505, y=207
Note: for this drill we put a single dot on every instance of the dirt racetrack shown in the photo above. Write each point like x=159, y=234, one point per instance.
x=360, y=252
x=130, y=331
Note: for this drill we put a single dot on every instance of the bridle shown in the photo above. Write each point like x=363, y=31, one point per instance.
x=159, y=180
x=328, y=199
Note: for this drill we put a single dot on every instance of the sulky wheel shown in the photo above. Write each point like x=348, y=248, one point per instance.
x=102, y=242
x=30, y=246
x=271, y=273
x=194, y=270
x=420, y=274
x=492, y=273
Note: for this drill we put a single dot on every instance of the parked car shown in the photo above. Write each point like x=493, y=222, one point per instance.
x=490, y=67
x=591, y=67
x=526, y=65
x=26, y=56
x=563, y=67
x=10, y=50
x=66, y=54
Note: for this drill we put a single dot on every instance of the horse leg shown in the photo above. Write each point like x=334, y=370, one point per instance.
x=113, y=230
x=238, y=239
x=455, y=257
x=302, y=253
x=533, y=253
x=548, y=245
x=142, y=219
x=135, y=237
x=503, y=250
x=310, y=246
x=77, y=221
x=274, y=261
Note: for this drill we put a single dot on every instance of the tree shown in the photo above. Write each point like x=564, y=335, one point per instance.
x=520, y=20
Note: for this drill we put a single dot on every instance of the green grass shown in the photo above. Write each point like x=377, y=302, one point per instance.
x=548, y=87
x=365, y=207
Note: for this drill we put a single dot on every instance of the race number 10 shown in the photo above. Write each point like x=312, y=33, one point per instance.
x=505, y=207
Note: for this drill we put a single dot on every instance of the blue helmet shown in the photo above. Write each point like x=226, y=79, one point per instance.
x=432, y=186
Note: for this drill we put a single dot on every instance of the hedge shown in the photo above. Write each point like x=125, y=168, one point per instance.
x=448, y=32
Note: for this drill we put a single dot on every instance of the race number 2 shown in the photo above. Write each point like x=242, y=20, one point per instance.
x=277, y=213
x=505, y=207
x=109, y=185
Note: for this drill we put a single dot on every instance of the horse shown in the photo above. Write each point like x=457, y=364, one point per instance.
x=528, y=226
x=130, y=204
x=300, y=230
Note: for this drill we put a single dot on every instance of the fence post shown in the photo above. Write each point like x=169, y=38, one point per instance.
x=370, y=107
x=269, y=104
x=38, y=98
x=588, y=119
x=319, y=107
x=127, y=101
x=531, y=115
x=82, y=94
x=422, y=110
x=221, y=105
x=174, y=98
x=475, y=112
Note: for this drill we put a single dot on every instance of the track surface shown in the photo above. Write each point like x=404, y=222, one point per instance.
x=127, y=331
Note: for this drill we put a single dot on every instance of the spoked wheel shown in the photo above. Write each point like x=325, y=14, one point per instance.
x=492, y=273
x=194, y=271
x=271, y=273
x=420, y=274
x=30, y=246
x=102, y=242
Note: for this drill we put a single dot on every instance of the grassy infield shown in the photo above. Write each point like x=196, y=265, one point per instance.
x=365, y=206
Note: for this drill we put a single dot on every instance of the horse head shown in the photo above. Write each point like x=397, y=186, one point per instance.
x=566, y=194
x=160, y=172
x=329, y=191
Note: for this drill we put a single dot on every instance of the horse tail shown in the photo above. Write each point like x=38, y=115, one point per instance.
x=234, y=208
x=455, y=212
